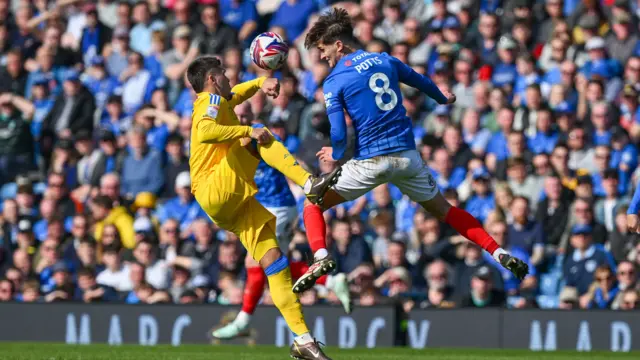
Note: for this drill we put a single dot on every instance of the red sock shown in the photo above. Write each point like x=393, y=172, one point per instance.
x=470, y=227
x=300, y=267
x=256, y=279
x=315, y=226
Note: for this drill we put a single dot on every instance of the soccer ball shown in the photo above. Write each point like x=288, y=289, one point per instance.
x=269, y=51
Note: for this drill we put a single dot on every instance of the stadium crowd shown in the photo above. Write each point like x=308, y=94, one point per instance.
x=541, y=145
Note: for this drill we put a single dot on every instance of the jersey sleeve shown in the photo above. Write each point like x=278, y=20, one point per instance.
x=211, y=132
x=245, y=90
x=408, y=76
x=335, y=111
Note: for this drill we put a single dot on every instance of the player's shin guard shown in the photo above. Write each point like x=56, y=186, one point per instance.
x=469, y=227
x=280, y=284
x=254, y=288
x=316, y=230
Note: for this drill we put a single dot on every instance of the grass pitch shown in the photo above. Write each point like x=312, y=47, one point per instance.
x=37, y=351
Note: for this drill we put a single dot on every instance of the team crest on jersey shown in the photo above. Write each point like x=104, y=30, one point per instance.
x=327, y=100
x=348, y=63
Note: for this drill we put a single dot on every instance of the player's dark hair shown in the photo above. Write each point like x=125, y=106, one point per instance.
x=200, y=69
x=331, y=27
x=103, y=201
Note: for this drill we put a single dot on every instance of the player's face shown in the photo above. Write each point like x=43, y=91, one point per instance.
x=222, y=85
x=330, y=52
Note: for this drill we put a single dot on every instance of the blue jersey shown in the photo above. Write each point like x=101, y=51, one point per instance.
x=367, y=85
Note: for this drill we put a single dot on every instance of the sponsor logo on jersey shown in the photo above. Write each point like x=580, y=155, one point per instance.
x=327, y=100
x=212, y=111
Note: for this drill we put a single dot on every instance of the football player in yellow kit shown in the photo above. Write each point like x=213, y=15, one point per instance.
x=224, y=158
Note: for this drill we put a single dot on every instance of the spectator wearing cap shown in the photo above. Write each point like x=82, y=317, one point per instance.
x=176, y=60
x=629, y=110
x=601, y=66
x=176, y=163
x=105, y=213
x=137, y=84
x=59, y=286
x=72, y=110
x=545, y=137
x=622, y=41
x=116, y=55
x=391, y=27
x=183, y=207
x=142, y=167
x=242, y=16
x=481, y=202
x=95, y=34
x=505, y=73
x=214, y=36
x=606, y=208
x=99, y=82
x=144, y=26
x=482, y=294
x=16, y=141
x=13, y=76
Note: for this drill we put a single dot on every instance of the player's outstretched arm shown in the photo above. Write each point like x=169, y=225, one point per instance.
x=210, y=132
x=408, y=76
x=335, y=111
x=245, y=90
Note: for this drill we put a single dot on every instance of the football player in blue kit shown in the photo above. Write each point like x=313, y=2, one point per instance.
x=275, y=195
x=367, y=86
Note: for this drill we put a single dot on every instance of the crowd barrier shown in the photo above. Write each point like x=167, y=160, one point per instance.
x=379, y=326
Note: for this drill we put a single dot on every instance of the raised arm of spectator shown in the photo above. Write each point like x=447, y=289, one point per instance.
x=247, y=29
x=170, y=118
x=177, y=71
x=25, y=106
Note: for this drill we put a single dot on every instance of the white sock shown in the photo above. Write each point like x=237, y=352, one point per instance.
x=307, y=185
x=243, y=319
x=304, y=339
x=498, y=252
x=320, y=254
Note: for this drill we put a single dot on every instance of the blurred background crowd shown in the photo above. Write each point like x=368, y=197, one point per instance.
x=541, y=146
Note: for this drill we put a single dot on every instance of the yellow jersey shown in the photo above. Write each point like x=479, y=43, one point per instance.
x=215, y=128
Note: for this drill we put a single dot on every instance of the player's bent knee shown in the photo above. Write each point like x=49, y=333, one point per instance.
x=438, y=206
x=280, y=264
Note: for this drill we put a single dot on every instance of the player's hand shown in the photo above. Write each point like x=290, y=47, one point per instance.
x=633, y=223
x=271, y=87
x=261, y=135
x=325, y=154
x=451, y=97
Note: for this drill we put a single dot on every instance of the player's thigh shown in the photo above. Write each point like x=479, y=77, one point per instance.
x=358, y=177
x=242, y=161
x=413, y=178
x=256, y=228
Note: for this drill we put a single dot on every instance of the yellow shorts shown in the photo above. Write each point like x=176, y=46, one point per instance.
x=227, y=196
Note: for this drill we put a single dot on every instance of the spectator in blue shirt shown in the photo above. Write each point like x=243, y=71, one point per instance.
x=43, y=102
x=99, y=82
x=602, y=156
x=242, y=16
x=606, y=291
x=141, y=32
x=601, y=67
x=579, y=268
x=527, y=76
x=142, y=168
x=117, y=60
x=624, y=157
x=184, y=208
x=95, y=35
x=481, y=202
x=293, y=15
x=157, y=135
x=447, y=177
x=524, y=232
x=476, y=137
x=600, y=118
x=114, y=119
x=505, y=73
x=497, y=146
x=545, y=137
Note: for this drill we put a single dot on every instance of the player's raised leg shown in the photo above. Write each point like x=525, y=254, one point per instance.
x=469, y=227
x=253, y=290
